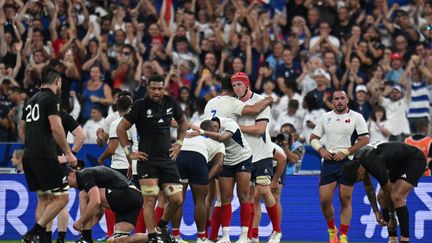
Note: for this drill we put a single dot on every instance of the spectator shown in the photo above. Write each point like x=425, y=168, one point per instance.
x=378, y=125
x=94, y=123
x=360, y=102
x=94, y=91
x=312, y=113
x=322, y=92
x=291, y=115
x=17, y=96
x=295, y=152
x=396, y=68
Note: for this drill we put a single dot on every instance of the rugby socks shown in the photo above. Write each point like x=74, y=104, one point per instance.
x=201, y=235
x=403, y=217
x=110, y=221
x=208, y=224
x=175, y=232
x=48, y=236
x=87, y=235
x=215, y=222
x=344, y=229
x=158, y=213
x=274, y=217
x=254, y=233
x=37, y=230
x=61, y=235
x=140, y=226
x=226, y=219
x=386, y=216
x=251, y=219
x=331, y=224
x=245, y=214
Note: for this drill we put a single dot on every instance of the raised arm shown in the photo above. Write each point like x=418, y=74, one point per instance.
x=258, y=107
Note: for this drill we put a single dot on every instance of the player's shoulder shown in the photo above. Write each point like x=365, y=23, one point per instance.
x=328, y=114
x=115, y=122
x=257, y=97
x=355, y=114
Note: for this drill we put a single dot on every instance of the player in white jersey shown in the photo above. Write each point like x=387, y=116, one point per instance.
x=199, y=161
x=119, y=161
x=103, y=132
x=338, y=125
x=256, y=132
x=226, y=105
x=237, y=167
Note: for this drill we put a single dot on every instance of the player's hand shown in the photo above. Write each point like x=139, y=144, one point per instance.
x=392, y=224
x=138, y=155
x=339, y=156
x=274, y=186
x=78, y=226
x=71, y=159
x=325, y=154
x=174, y=151
x=129, y=172
x=100, y=161
x=380, y=219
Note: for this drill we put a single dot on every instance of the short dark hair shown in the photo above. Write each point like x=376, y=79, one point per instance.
x=349, y=171
x=293, y=104
x=49, y=75
x=155, y=78
x=123, y=103
x=290, y=126
x=124, y=93
x=206, y=124
x=226, y=84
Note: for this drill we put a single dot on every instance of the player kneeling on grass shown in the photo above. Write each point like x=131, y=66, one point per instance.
x=398, y=168
x=103, y=187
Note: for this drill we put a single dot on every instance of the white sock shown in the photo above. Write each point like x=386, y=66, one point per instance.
x=244, y=231
x=225, y=232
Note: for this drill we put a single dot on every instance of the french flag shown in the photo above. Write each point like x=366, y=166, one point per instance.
x=168, y=9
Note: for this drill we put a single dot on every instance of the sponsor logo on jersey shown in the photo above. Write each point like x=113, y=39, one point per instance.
x=169, y=111
x=149, y=113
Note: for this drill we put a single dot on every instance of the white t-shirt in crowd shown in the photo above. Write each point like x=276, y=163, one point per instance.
x=375, y=133
x=260, y=144
x=109, y=119
x=118, y=159
x=312, y=116
x=237, y=148
x=203, y=145
x=338, y=129
x=396, y=112
x=90, y=127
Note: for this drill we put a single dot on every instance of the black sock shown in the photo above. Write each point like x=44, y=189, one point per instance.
x=87, y=235
x=386, y=216
x=403, y=217
x=162, y=223
x=37, y=229
x=404, y=241
x=61, y=235
x=48, y=236
x=151, y=236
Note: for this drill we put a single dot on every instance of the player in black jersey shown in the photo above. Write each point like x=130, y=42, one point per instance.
x=102, y=187
x=156, y=156
x=43, y=130
x=398, y=168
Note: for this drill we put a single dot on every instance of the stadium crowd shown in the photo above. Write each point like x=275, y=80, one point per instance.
x=298, y=52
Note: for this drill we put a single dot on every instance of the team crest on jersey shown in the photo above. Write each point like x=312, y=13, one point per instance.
x=347, y=120
x=149, y=113
x=328, y=120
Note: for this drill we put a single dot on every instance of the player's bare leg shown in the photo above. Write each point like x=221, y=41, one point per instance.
x=345, y=196
x=122, y=234
x=251, y=200
x=392, y=226
x=62, y=221
x=263, y=189
x=398, y=195
x=149, y=189
x=176, y=219
x=277, y=195
x=257, y=218
x=226, y=188
x=175, y=200
x=199, y=193
x=243, y=186
x=326, y=200
x=160, y=207
x=216, y=216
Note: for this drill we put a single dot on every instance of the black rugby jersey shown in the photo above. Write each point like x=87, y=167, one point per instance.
x=102, y=177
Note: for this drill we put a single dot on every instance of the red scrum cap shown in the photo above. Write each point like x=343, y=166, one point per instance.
x=240, y=76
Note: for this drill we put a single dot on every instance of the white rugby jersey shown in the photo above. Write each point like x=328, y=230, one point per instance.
x=109, y=120
x=338, y=129
x=260, y=144
x=237, y=148
x=203, y=145
x=224, y=106
x=119, y=159
x=279, y=149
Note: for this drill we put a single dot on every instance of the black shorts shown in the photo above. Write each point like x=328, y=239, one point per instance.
x=164, y=170
x=331, y=171
x=135, y=181
x=231, y=170
x=282, y=178
x=411, y=173
x=262, y=167
x=193, y=168
x=122, y=171
x=45, y=175
x=125, y=210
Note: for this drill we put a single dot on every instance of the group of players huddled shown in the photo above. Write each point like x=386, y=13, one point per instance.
x=231, y=148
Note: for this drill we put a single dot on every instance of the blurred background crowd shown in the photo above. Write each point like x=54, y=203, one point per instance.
x=297, y=51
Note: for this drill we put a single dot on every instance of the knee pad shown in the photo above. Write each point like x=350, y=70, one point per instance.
x=172, y=189
x=149, y=190
x=263, y=180
x=120, y=234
